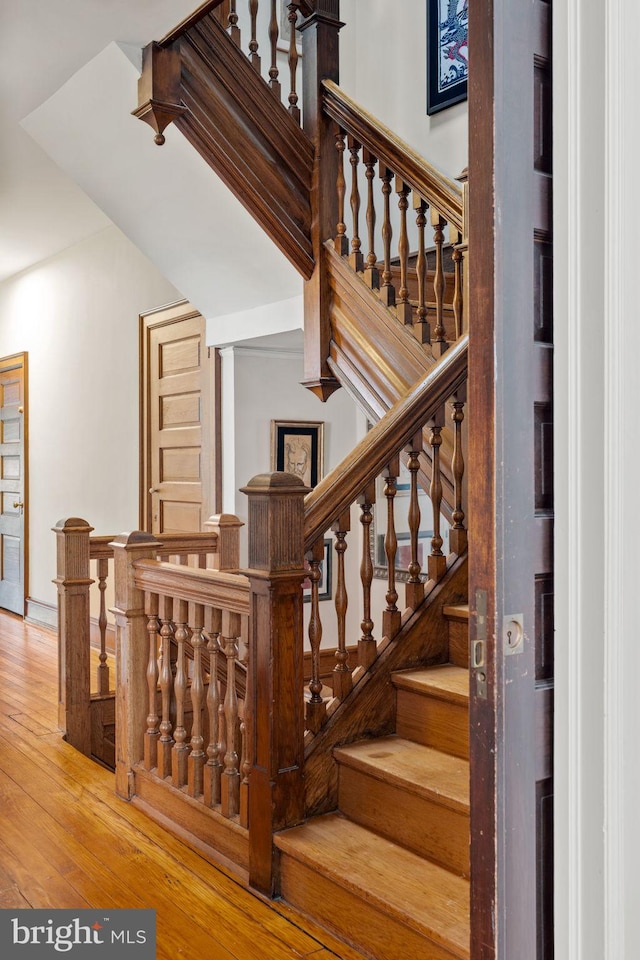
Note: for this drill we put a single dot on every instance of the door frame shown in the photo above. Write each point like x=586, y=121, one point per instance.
x=212, y=479
x=510, y=543
x=12, y=362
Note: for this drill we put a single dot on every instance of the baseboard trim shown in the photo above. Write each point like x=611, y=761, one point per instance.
x=41, y=614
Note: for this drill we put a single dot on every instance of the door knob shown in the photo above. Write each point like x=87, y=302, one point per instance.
x=18, y=505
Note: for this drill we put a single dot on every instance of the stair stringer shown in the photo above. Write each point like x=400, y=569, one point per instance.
x=369, y=710
x=377, y=360
x=235, y=122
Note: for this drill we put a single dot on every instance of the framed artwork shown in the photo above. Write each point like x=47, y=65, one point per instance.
x=324, y=585
x=297, y=447
x=447, y=53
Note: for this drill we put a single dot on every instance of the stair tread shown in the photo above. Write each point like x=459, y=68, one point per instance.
x=459, y=611
x=430, y=899
x=446, y=681
x=424, y=771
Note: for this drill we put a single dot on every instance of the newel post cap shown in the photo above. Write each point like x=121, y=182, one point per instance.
x=276, y=522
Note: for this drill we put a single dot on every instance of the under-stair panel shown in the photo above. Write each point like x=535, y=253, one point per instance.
x=433, y=708
x=373, y=893
x=411, y=794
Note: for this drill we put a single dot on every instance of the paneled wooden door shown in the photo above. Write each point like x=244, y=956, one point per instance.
x=180, y=403
x=13, y=482
x=511, y=461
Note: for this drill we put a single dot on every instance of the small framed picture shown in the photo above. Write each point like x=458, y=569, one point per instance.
x=447, y=53
x=324, y=584
x=297, y=447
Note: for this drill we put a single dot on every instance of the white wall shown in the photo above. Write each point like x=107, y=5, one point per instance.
x=597, y=719
x=76, y=315
x=383, y=66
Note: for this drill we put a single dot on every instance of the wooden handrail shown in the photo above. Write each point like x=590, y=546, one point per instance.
x=339, y=489
x=189, y=22
x=444, y=194
x=228, y=591
x=172, y=544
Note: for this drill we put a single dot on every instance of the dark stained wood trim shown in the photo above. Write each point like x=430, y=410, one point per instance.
x=189, y=22
x=482, y=519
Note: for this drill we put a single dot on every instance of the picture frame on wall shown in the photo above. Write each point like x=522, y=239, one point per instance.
x=324, y=584
x=297, y=446
x=447, y=53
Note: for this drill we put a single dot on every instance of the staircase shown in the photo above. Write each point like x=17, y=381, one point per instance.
x=389, y=871
x=363, y=822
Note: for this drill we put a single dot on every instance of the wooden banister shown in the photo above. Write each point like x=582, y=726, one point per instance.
x=444, y=194
x=214, y=588
x=339, y=489
x=188, y=22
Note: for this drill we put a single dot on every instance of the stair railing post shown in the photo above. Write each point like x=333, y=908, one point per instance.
x=132, y=656
x=275, y=697
x=74, y=640
x=227, y=526
x=320, y=61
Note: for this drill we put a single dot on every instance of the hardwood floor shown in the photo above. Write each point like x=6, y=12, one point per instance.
x=67, y=841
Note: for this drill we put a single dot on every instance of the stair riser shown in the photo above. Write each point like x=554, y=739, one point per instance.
x=362, y=924
x=433, y=722
x=459, y=643
x=428, y=828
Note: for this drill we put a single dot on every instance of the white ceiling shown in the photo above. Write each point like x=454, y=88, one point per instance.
x=42, y=44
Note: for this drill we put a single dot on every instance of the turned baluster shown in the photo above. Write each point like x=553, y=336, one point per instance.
x=180, y=751
x=437, y=563
x=391, y=616
x=403, y=305
x=387, y=290
x=316, y=710
x=103, y=667
x=458, y=533
x=414, y=592
x=294, y=109
x=355, y=257
x=367, y=648
x=457, y=289
x=342, y=679
x=233, y=29
x=253, y=42
x=439, y=340
x=371, y=272
x=341, y=241
x=153, y=720
x=230, y=787
x=244, y=771
x=245, y=731
x=274, y=83
x=213, y=766
x=421, y=327
x=195, y=765
x=165, y=743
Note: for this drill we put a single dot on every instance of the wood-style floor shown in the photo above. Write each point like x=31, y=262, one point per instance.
x=66, y=840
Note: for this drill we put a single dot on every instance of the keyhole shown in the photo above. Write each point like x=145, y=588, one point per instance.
x=509, y=638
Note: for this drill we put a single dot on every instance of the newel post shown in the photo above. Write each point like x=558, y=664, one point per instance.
x=320, y=61
x=276, y=570
x=227, y=527
x=74, y=641
x=132, y=654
